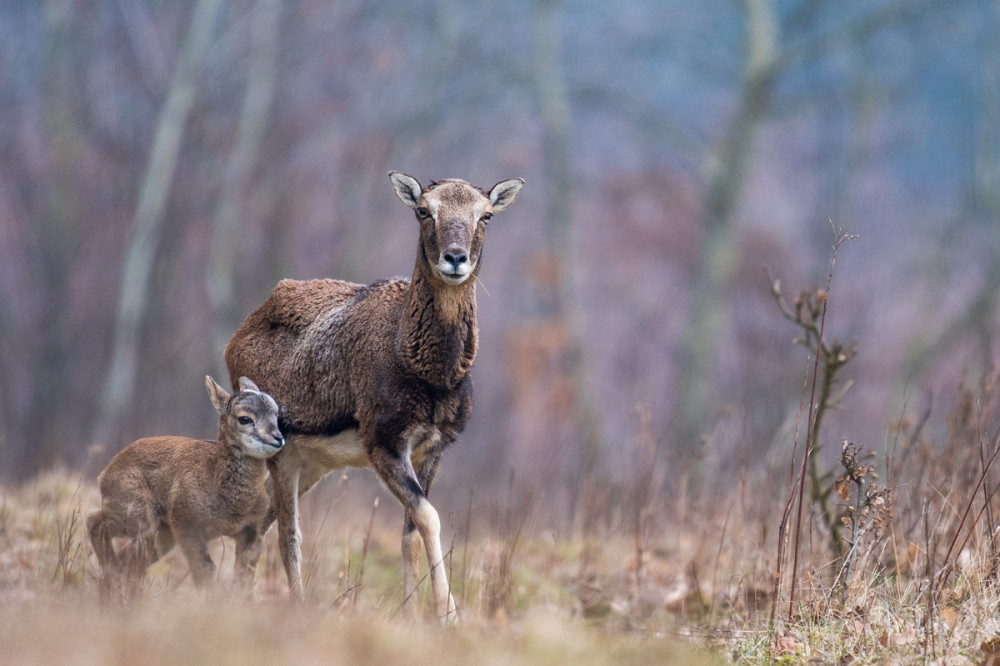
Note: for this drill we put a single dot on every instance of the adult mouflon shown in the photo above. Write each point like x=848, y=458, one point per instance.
x=377, y=375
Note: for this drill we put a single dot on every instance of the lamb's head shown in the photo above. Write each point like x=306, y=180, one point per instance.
x=248, y=419
x=453, y=216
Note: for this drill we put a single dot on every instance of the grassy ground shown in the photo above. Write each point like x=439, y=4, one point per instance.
x=50, y=612
x=641, y=591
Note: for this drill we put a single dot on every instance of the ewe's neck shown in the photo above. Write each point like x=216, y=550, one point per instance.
x=438, y=334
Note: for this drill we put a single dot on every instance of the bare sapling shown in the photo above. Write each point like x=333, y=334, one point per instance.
x=162, y=491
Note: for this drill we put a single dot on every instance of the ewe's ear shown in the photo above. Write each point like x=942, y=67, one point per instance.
x=246, y=384
x=218, y=395
x=407, y=188
x=504, y=193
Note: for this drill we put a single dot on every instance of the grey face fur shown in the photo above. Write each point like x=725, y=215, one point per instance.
x=253, y=417
x=453, y=216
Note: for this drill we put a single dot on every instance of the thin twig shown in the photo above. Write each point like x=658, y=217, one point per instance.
x=358, y=582
x=812, y=433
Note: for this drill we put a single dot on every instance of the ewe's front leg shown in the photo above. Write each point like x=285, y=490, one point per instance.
x=444, y=602
x=285, y=469
x=413, y=544
x=397, y=473
x=429, y=525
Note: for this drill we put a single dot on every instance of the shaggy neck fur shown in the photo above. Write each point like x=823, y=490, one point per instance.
x=438, y=334
x=236, y=470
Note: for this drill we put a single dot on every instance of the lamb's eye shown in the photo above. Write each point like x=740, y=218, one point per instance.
x=245, y=420
x=423, y=212
x=487, y=217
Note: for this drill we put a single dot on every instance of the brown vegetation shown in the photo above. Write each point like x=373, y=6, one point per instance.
x=641, y=582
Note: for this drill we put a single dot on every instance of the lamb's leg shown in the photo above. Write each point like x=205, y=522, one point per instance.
x=100, y=530
x=397, y=473
x=136, y=556
x=285, y=469
x=248, y=547
x=141, y=524
x=164, y=542
x=195, y=549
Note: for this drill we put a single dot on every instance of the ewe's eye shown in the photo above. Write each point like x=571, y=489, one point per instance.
x=423, y=212
x=245, y=420
x=486, y=218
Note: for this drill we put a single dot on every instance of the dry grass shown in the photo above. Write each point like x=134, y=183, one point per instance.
x=50, y=611
x=642, y=581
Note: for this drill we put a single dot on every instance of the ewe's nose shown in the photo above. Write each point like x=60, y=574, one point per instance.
x=455, y=256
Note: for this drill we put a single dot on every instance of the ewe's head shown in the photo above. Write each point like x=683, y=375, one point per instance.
x=248, y=419
x=453, y=216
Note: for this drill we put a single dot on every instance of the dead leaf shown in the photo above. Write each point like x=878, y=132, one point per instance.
x=991, y=651
x=898, y=639
x=950, y=616
x=788, y=644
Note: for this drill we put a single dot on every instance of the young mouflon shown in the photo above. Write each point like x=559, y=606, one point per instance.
x=378, y=374
x=162, y=491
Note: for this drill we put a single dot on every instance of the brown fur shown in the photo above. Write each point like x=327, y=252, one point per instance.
x=159, y=491
x=377, y=374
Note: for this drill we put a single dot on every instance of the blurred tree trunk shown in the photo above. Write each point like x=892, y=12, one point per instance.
x=424, y=115
x=726, y=174
x=57, y=203
x=120, y=382
x=978, y=317
x=555, y=329
x=411, y=124
x=221, y=274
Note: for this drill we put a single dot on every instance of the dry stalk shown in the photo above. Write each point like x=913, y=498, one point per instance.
x=359, y=580
x=465, y=549
x=947, y=565
x=810, y=315
x=498, y=588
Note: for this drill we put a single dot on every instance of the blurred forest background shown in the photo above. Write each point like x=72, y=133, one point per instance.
x=164, y=163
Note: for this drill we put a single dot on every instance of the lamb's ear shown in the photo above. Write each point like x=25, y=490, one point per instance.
x=504, y=193
x=246, y=384
x=407, y=188
x=218, y=395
